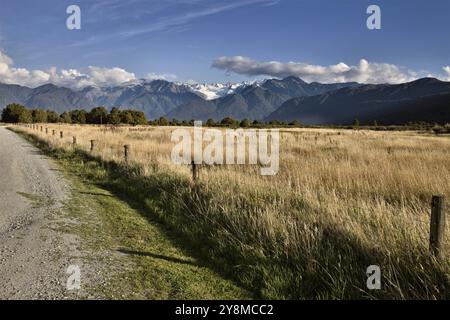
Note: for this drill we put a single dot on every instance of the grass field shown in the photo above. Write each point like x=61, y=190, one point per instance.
x=341, y=201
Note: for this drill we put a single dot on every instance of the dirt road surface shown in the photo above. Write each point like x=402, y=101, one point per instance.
x=34, y=253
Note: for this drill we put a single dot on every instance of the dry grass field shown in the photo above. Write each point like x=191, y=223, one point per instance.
x=341, y=201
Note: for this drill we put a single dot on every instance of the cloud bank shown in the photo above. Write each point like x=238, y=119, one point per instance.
x=71, y=78
x=363, y=72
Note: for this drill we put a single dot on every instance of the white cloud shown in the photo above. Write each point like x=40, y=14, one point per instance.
x=90, y=76
x=71, y=78
x=363, y=72
x=164, y=76
x=9, y=74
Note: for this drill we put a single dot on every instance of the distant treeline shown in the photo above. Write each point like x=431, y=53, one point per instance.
x=227, y=122
x=16, y=113
x=441, y=129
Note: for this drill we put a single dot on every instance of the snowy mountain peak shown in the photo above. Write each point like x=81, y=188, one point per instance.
x=211, y=91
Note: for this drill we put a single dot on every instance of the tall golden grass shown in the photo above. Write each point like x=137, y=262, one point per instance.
x=341, y=201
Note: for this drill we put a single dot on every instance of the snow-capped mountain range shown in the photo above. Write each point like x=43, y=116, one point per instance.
x=273, y=99
x=155, y=97
x=207, y=91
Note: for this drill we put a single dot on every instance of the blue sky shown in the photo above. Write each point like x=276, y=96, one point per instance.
x=323, y=40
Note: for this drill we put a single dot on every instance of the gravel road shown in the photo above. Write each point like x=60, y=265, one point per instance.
x=35, y=252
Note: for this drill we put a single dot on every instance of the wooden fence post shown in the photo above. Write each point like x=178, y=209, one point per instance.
x=195, y=172
x=42, y=128
x=61, y=134
x=46, y=130
x=126, y=149
x=92, y=145
x=74, y=141
x=53, y=132
x=437, y=226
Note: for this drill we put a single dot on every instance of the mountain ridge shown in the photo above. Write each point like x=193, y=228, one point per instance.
x=158, y=98
x=384, y=103
x=285, y=99
x=254, y=101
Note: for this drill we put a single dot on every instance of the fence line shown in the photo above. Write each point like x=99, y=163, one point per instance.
x=437, y=219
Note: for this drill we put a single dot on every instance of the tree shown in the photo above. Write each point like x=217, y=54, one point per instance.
x=78, y=116
x=210, y=123
x=126, y=117
x=16, y=113
x=138, y=118
x=275, y=123
x=228, y=121
x=356, y=123
x=163, y=121
x=97, y=115
x=52, y=116
x=295, y=123
x=39, y=116
x=65, y=117
x=114, y=116
x=245, y=123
